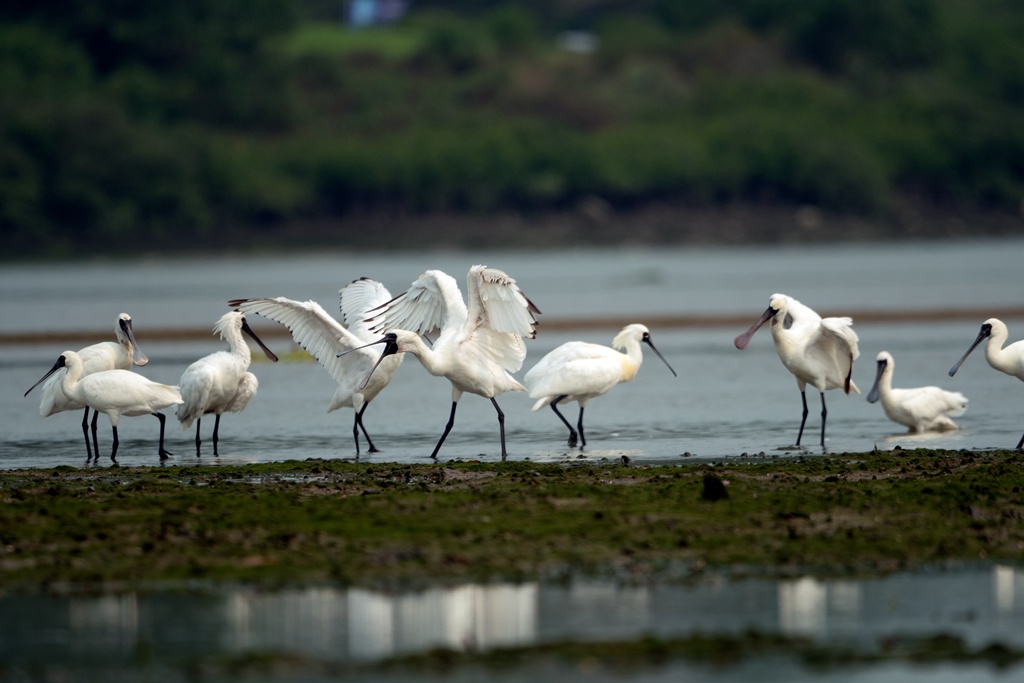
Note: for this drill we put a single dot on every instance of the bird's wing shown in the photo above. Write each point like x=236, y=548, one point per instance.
x=930, y=402
x=833, y=348
x=432, y=302
x=312, y=329
x=494, y=300
x=356, y=299
x=842, y=329
x=579, y=376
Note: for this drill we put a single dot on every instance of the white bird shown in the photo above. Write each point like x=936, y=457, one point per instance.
x=220, y=382
x=115, y=393
x=1009, y=360
x=579, y=371
x=479, y=344
x=922, y=409
x=95, y=358
x=324, y=337
x=818, y=351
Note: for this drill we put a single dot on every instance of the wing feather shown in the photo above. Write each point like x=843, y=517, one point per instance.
x=356, y=299
x=313, y=329
x=432, y=302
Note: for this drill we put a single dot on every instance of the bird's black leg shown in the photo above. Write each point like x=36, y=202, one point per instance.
x=447, y=428
x=359, y=421
x=163, y=452
x=113, y=448
x=355, y=433
x=803, y=419
x=583, y=439
x=501, y=425
x=85, y=432
x=199, y=425
x=216, y=431
x=1021, y=442
x=824, y=412
x=95, y=439
x=572, y=432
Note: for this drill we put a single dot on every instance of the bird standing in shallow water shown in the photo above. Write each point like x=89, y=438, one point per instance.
x=220, y=382
x=114, y=393
x=323, y=337
x=818, y=351
x=579, y=371
x=119, y=355
x=479, y=344
x=922, y=409
x=1009, y=360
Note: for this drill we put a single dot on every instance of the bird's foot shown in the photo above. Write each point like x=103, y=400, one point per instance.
x=164, y=454
x=573, y=440
x=373, y=450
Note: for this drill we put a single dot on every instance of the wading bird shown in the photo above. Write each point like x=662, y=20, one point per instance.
x=115, y=393
x=818, y=351
x=1009, y=360
x=117, y=355
x=220, y=382
x=579, y=371
x=479, y=345
x=923, y=409
x=325, y=338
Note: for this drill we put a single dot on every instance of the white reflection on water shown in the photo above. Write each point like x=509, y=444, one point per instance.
x=360, y=625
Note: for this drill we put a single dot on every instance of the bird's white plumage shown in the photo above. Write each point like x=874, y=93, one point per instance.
x=95, y=358
x=488, y=331
x=324, y=338
x=480, y=343
x=920, y=409
x=220, y=382
x=1009, y=359
x=116, y=392
x=817, y=351
x=580, y=371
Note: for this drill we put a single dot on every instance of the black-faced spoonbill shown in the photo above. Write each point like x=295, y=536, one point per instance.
x=1009, y=360
x=818, y=351
x=115, y=393
x=924, y=409
x=325, y=338
x=579, y=371
x=220, y=382
x=117, y=355
x=479, y=345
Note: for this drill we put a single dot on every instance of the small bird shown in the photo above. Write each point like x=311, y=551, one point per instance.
x=95, y=358
x=320, y=334
x=579, y=371
x=115, y=393
x=220, y=382
x=1009, y=360
x=818, y=351
x=924, y=409
x=479, y=345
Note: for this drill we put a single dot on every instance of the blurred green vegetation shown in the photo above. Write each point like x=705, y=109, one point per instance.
x=128, y=125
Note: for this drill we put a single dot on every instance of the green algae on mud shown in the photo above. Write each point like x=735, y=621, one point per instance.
x=351, y=523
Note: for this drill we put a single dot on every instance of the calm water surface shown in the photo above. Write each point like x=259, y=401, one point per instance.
x=724, y=403
x=172, y=632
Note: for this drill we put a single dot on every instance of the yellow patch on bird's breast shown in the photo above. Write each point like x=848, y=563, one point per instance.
x=629, y=369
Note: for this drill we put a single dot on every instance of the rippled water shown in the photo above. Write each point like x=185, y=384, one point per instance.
x=724, y=403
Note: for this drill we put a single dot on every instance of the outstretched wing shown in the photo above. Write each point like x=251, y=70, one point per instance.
x=495, y=301
x=432, y=302
x=498, y=317
x=356, y=299
x=312, y=329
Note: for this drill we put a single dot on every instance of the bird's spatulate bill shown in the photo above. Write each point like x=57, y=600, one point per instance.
x=743, y=340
